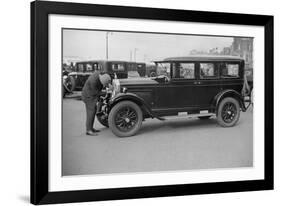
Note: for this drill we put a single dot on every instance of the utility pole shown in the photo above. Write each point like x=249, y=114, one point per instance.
x=131, y=53
x=135, y=54
x=106, y=44
x=144, y=57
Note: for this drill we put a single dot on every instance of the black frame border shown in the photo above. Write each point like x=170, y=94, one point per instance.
x=39, y=102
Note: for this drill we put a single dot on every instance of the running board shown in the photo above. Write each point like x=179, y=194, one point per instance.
x=186, y=115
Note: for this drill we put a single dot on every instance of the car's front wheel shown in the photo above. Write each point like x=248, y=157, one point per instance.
x=125, y=119
x=101, y=116
x=228, y=112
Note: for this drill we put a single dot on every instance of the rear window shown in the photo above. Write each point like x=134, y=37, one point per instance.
x=230, y=70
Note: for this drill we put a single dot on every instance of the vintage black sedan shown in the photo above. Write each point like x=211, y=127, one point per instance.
x=84, y=69
x=203, y=86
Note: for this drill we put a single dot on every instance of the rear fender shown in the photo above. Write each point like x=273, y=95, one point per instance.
x=228, y=93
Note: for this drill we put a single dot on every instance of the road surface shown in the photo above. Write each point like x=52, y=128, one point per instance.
x=179, y=143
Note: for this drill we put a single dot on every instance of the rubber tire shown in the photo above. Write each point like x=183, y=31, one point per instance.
x=73, y=83
x=204, y=117
x=113, y=113
x=152, y=74
x=102, y=121
x=252, y=96
x=63, y=91
x=219, y=110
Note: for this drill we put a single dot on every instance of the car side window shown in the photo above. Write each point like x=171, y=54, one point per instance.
x=96, y=67
x=117, y=67
x=184, y=70
x=208, y=70
x=89, y=67
x=230, y=70
x=80, y=67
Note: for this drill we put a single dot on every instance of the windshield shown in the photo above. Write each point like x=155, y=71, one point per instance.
x=133, y=74
x=163, y=69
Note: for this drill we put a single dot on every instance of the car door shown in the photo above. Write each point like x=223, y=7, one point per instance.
x=208, y=83
x=179, y=94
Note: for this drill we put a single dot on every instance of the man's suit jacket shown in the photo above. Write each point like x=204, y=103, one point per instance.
x=92, y=87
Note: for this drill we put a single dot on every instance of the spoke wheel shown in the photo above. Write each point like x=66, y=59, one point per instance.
x=152, y=74
x=125, y=119
x=228, y=112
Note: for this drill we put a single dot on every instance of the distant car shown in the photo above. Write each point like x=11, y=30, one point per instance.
x=139, y=69
x=84, y=69
x=151, y=70
x=143, y=69
x=67, y=83
x=204, y=86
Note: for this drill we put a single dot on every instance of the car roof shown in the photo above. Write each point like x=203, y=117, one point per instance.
x=101, y=61
x=203, y=58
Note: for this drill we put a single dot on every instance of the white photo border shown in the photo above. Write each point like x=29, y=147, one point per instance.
x=57, y=182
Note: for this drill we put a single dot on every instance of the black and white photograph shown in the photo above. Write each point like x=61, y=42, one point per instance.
x=135, y=102
x=142, y=102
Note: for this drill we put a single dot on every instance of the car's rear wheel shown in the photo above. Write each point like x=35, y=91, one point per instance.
x=125, y=119
x=228, y=112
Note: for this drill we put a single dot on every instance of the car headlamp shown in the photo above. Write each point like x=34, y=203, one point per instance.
x=124, y=90
x=116, y=87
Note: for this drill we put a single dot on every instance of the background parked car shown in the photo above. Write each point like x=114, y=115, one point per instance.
x=84, y=69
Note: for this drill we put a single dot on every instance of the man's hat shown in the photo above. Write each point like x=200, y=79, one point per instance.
x=105, y=79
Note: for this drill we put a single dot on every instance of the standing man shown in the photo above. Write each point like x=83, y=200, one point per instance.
x=90, y=95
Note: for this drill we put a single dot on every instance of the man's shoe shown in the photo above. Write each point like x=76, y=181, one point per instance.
x=92, y=133
x=95, y=130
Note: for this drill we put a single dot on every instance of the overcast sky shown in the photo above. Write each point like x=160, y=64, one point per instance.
x=90, y=45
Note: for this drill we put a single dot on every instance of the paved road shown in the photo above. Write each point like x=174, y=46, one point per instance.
x=175, y=144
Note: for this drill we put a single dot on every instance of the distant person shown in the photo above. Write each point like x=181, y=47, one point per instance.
x=90, y=94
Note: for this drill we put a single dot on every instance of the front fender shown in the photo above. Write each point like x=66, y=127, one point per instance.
x=229, y=93
x=134, y=98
